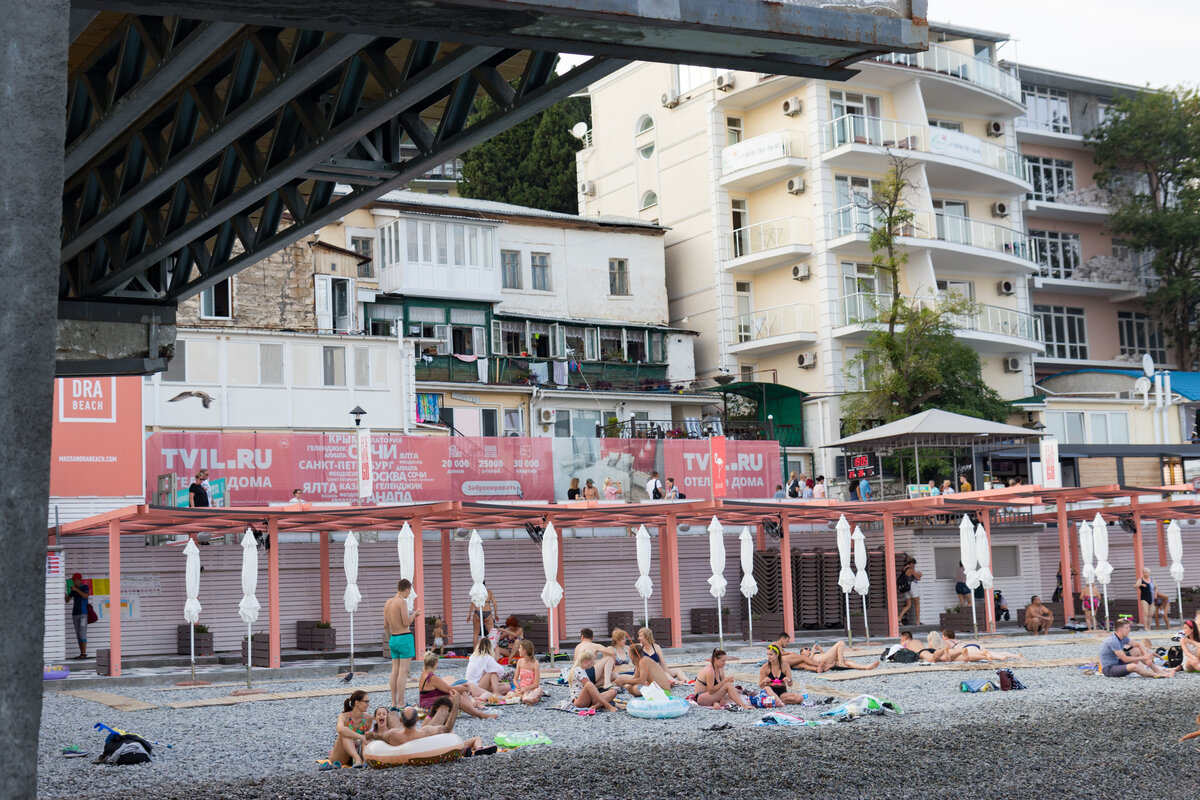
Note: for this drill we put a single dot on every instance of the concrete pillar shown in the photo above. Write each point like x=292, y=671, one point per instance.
x=33, y=83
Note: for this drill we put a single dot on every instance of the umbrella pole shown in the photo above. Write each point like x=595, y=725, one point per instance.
x=1179, y=597
x=550, y=644
x=192, y=638
x=750, y=620
x=974, y=620
x=1107, y=625
x=482, y=632
x=720, y=626
x=646, y=611
x=849, y=636
x=249, y=654
x=866, y=624
x=352, y=641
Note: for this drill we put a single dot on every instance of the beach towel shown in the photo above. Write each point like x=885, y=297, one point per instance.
x=863, y=705
x=782, y=718
x=978, y=685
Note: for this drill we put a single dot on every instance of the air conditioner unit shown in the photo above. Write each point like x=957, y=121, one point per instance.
x=1012, y=364
x=725, y=81
x=1000, y=209
x=795, y=185
x=806, y=360
x=792, y=106
x=546, y=416
x=801, y=272
x=995, y=128
x=588, y=188
x=670, y=100
x=1006, y=287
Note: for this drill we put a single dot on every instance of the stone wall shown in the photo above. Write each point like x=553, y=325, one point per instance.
x=274, y=294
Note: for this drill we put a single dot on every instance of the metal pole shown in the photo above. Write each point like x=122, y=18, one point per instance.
x=849, y=637
x=352, y=639
x=917, y=465
x=1179, y=597
x=750, y=619
x=550, y=616
x=720, y=626
x=192, y=638
x=866, y=623
x=974, y=620
x=249, y=654
x=1107, y=624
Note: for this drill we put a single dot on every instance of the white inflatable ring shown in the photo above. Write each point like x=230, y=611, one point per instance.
x=436, y=749
x=641, y=707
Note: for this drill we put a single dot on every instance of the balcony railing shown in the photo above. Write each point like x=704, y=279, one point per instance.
x=1087, y=196
x=893, y=134
x=871, y=307
x=740, y=429
x=514, y=370
x=854, y=218
x=761, y=149
x=778, y=321
x=769, y=235
x=947, y=61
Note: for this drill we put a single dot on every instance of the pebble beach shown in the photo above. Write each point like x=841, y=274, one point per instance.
x=1070, y=734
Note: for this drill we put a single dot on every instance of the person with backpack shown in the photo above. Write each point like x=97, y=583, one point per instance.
x=793, y=487
x=904, y=591
x=654, y=487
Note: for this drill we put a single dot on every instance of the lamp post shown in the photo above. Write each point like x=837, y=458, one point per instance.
x=358, y=413
x=363, y=443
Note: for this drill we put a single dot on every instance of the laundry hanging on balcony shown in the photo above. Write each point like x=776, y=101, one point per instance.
x=560, y=373
x=481, y=367
x=540, y=372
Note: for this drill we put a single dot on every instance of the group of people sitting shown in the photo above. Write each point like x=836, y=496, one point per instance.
x=356, y=727
x=1120, y=655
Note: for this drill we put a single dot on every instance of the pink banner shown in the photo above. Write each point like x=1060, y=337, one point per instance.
x=264, y=468
x=751, y=468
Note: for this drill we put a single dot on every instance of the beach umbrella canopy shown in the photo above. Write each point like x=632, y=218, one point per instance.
x=749, y=585
x=862, y=581
x=966, y=550
x=644, y=586
x=191, y=579
x=406, y=549
x=1175, y=548
x=844, y=545
x=552, y=592
x=983, y=553
x=248, y=608
x=1104, y=570
x=352, y=596
x=1085, y=553
x=479, y=594
x=716, y=558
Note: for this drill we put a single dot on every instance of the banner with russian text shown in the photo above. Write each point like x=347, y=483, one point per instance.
x=751, y=469
x=96, y=437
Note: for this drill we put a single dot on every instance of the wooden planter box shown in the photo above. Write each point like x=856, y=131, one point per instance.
x=767, y=626
x=262, y=652
x=310, y=637
x=104, y=662
x=183, y=642
x=622, y=620
x=538, y=632
x=704, y=620
x=960, y=621
x=661, y=628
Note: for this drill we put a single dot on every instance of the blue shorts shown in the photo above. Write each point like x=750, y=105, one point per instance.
x=402, y=645
x=961, y=588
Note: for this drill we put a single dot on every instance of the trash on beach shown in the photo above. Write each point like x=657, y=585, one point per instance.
x=782, y=718
x=863, y=705
x=512, y=739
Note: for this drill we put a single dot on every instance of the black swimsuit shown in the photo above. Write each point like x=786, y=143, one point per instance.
x=776, y=685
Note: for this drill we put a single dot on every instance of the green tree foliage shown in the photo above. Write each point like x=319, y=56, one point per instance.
x=531, y=164
x=1147, y=152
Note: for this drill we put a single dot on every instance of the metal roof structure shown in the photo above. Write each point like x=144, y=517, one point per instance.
x=937, y=428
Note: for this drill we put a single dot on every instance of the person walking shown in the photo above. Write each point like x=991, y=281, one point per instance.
x=78, y=593
x=198, y=492
x=403, y=648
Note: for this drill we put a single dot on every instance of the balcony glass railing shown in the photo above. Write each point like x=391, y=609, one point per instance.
x=769, y=235
x=761, y=149
x=778, y=321
x=892, y=134
x=852, y=218
x=947, y=61
x=868, y=307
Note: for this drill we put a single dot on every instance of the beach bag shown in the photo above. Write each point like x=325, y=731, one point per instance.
x=1174, y=657
x=125, y=748
x=1008, y=681
x=92, y=615
x=903, y=656
x=978, y=685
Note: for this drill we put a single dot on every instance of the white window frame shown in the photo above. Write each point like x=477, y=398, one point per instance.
x=649, y=200
x=1054, y=177
x=1073, y=323
x=1059, y=253
x=262, y=362
x=618, y=268
x=326, y=351
x=504, y=269
x=1039, y=100
x=1138, y=334
x=545, y=268
x=208, y=299
x=323, y=294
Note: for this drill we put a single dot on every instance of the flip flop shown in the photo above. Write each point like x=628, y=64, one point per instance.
x=328, y=765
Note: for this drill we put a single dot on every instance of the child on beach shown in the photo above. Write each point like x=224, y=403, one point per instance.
x=528, y=675
x=439, y=636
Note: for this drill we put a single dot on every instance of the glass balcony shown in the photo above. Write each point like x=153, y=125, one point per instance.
x=937, y=226
x=753, y=163
x=868, y=307
x=947, y=61
x=767, y=244
x=779, y=321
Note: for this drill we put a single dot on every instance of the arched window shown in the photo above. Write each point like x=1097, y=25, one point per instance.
x=645, y=124
x=645, y=151
x=649, y=199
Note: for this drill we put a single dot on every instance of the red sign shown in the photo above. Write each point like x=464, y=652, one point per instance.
x=263, y=468
x=96, y=438
x=716, y=446
x=750, y=470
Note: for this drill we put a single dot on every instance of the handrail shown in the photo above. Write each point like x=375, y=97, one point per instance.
x=947, y=61
x=852, y=218
x=767, y=147
x=866, y=307
x=775, y=321
x=769, y=235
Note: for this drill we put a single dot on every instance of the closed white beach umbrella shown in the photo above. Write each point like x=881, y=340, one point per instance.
x=405, y=548
x=248, y=608
x=983, y=554
x=552, y=592
x=716, y=561
x=1086, y=554
x=862, y=581
x=478, y=592
x=191, y=606
x=352, y=597
x=1104, y=570
x=966, y=554
x=644, y=586
x=749, y=585
x=1175, y=548
x=845, y=574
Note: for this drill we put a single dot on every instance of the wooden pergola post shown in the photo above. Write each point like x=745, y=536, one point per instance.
x=560, y=611
x=447, y=588
x=418, y=581
x=889, y=573
x=1064, y=559
x=114, y=597
x=785, y=575
x=1139, y=556
x=272, y=591
x=324, y=538
x=668, y=571
x=1162, y=543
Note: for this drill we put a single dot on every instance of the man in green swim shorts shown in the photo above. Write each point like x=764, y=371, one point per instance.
x=396, y=623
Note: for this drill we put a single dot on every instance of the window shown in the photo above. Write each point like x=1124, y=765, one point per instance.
x=863, y=288
x=364, y=246
x=644, y=137
x=854, y=372
x=744, y=302
x=1065, y=426
x=333, y=365
x=1109, y=427
x=649, y=200
x=951, y=220
x=216, y=302
x=514, y=422
x=647, y=150
x=270, y=364
x=562, y=422
x=508, y=337
x=612, y=344
x=1051, y=177
x=1046, y=108
x=618, y=276
x=539, y=340
x=733, y=130
x=460, y=249
x=1140, y=334
x=1057, y=252
x=739, y=213
x=1065, y=331
x=176, y=370
x=855, y=118
x=645, y=124
x=362, y=368
x=852, y=195
x=539, y=268
x=510, y=269
x=334, y=306
x=746, y=371
x=946, y=124
x=635, y=346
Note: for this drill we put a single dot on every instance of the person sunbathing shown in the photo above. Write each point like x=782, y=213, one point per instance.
x=646, y=671
x=776, y=677
x=715, y=689
x=814, y=659
x=528, y=679
x=653, y=651
x=431, y=687
x=584, y=693
x=969, y=652
x=926, y=651
x=406, y=727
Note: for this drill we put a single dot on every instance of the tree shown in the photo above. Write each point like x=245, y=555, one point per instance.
x=532, y=163
x=916, y=362
x=1147, y=151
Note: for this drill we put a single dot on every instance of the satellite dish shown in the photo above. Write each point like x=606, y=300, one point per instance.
x=579, y=130
x=1142, y=386
x=1148, y=365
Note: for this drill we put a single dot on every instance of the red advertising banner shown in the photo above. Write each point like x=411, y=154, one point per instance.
x=264, y=468
x=716, y=446
x=96, y=438
x=751, y=468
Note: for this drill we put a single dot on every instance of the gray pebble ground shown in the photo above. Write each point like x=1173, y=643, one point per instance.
x=1069, y=735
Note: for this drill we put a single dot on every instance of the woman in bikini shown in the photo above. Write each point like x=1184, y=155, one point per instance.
x=1190, y=643
x=509, y=635
x=653, y=651
x=776, y=676
x=528, y=675
x=584, y=693
x=953, y=650
x=431, y=686
x=352, y=726
x=812, y=659
x=487, y=611
x=645, y=672
x=1090, y=601
x=715, y=689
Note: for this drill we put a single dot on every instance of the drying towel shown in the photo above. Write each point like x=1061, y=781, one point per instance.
x=482, y=366
x=540, y=372
x=467, y=359
x=560, y=373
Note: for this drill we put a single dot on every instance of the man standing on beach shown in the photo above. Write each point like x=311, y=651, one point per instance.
x=1119, y=657
x=396, y=622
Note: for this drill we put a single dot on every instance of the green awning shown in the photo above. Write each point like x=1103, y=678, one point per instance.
x=756, y=390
